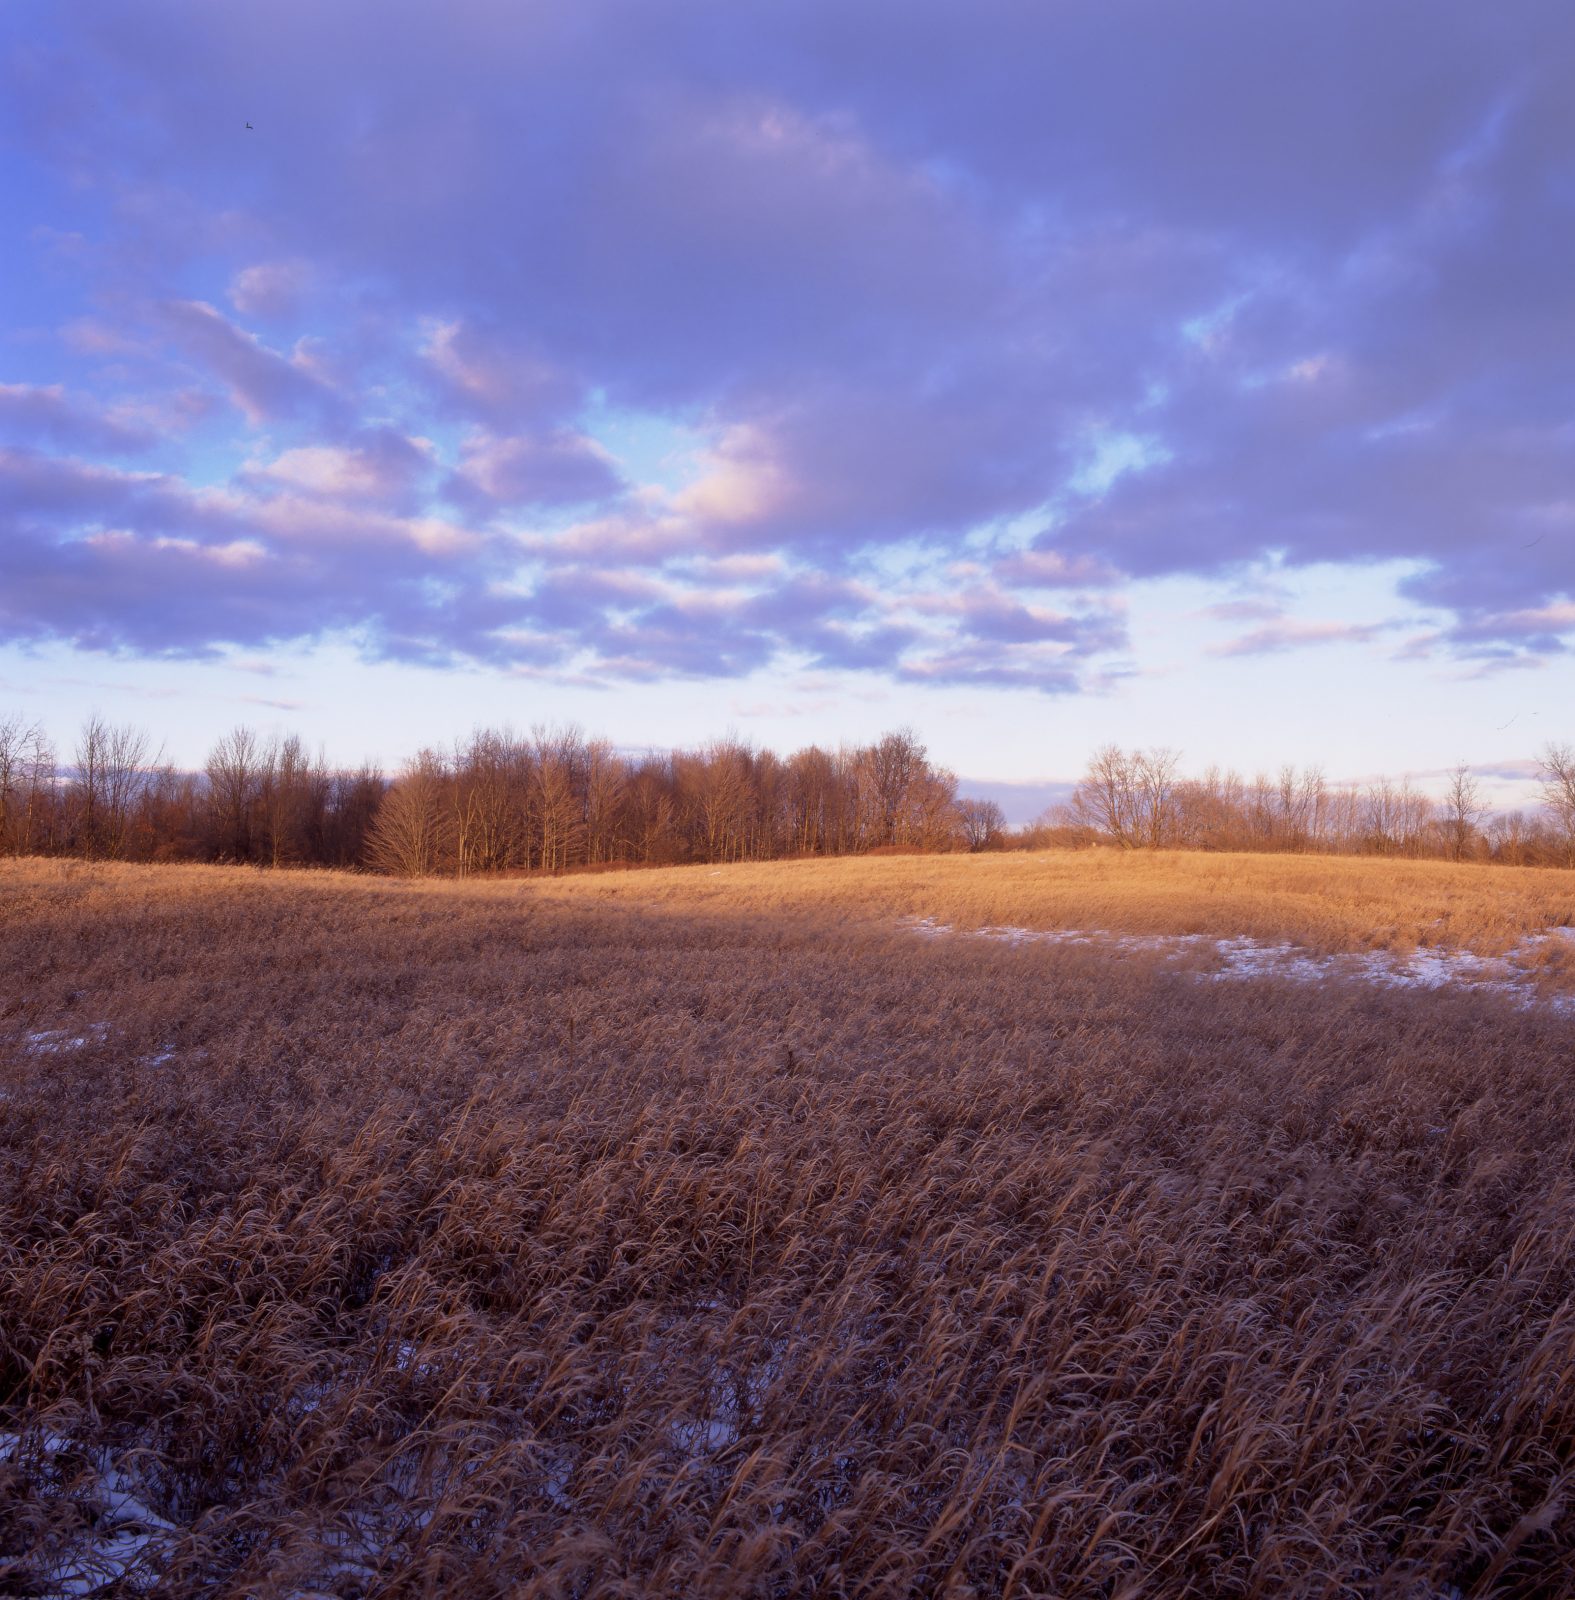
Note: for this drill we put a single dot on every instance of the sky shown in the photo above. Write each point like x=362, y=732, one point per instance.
x=1035, y=375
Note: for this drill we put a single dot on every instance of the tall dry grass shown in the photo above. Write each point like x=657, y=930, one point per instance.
x=1328, y=903
x=700, y=1233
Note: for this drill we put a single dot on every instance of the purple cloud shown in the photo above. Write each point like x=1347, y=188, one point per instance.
x=1293, y=633
x=1055, y=569
x=34, y=412
x=493, y=377
x=272, y=289
x=265, y=385
x=1183, y=289
x=560, y=468
x=378, y=467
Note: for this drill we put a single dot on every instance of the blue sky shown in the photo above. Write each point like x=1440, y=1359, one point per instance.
x=1035, y=375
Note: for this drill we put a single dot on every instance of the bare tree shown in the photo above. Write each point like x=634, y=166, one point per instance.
x=932, y=809
x=27, y=770
x=1417, y=818
x=235, y=772
x=87, y=784
x=1261, y=820
x=983, y=823
x=558, y=822
x=111, y=768
x=170, y=813
x=1344, y=814
x=1510, y=839
x=652, y=812
x=488, y=780
x=718, y=784
x=771, y=827
x=1381, y=817
x=1107, y=797
x=1462, y=811
x=1155, y=771
x=1208, y=811
x=283, y=787
x=353, y=800
x=1134, y=799
x=1556, y=768
x=412, y=827
x=888, y=771
x=605, y=780
x=813, y=800
x=1298, y=802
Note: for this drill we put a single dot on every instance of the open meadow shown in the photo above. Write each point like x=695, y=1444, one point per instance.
x=1060, y=1224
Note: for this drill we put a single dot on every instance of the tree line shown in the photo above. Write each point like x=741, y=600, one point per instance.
x=496, y=801
x=553, y=800
x=1136, y=799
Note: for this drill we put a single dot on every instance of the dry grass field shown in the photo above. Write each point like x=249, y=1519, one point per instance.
x=712, y=1232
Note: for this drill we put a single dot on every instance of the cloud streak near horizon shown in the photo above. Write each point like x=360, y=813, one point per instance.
x=665, y=341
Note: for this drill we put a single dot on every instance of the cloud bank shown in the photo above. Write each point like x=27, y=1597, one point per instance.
x=669, y=341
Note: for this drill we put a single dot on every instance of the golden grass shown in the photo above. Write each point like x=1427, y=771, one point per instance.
x=697, y=1232
x=1328, y=903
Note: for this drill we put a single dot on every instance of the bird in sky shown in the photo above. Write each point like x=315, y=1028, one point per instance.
x=249, y=125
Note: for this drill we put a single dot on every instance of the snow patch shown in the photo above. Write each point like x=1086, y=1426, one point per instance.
x=53, y=1041
x=735, y=1400
x=126, y=1541
x=1243, y=957
x=63, y=1041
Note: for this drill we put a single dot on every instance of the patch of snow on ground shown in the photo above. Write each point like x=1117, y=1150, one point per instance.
x=53, y=1040
x=1244, y=957
x=733, y=1392
x=127, y=1538
x=59, y=1041
x=735, y=1400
